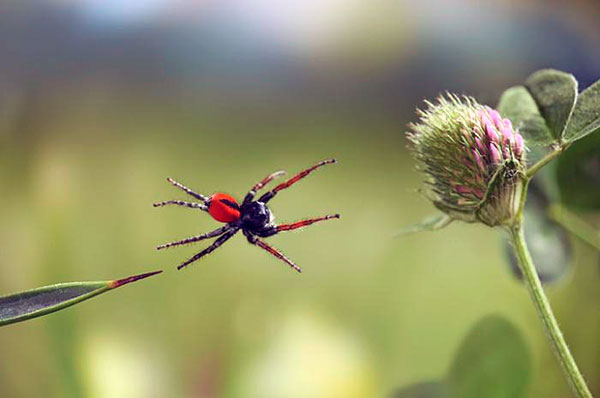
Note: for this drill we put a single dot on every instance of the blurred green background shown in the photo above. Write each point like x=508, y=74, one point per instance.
x=101, y=100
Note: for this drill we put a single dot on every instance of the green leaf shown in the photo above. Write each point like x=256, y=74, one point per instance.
x=493, y=361
x=520, y=108
x=548, y=241
x=586, y=115
x=555, y=93
x=429, y=389
x=29, y=304
x=431, y=223
x=578, y=174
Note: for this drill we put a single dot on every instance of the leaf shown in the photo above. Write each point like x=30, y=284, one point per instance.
x=586, y=115
x=493, y=361
x=431, y=223
x=520, y=108
x=30, y=304
x=429, y=389
x=555, y=93
x=578, y=174
x=548, y=242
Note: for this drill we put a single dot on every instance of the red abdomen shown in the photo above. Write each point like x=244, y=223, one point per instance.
x=223, y=208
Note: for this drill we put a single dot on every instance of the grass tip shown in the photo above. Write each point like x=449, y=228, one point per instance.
x=125, y=281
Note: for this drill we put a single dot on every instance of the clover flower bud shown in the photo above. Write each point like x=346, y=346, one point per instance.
x=473, y=159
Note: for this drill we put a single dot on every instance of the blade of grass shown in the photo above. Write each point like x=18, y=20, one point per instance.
x=32, y=303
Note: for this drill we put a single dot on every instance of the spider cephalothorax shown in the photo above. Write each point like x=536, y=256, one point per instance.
x=252, y=217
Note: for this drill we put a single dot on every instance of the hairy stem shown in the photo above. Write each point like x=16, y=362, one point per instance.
x=542, y=305
x=545, y=160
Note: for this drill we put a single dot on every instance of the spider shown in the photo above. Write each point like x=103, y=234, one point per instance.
x=252, y=217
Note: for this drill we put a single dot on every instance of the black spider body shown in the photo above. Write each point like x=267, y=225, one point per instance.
x=252, y=217
x=257, y=219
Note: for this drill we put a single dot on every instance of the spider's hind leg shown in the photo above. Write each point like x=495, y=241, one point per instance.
x=207, y=235
x=187, y=190
x=192, y=205
x=215, y=245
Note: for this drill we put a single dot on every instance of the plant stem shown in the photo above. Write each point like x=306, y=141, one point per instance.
x=546, y=315
x=545, y=160
x=575, y=225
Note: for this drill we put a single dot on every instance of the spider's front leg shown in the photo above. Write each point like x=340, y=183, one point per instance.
x=304, y=223
x=269, y=195
x=252, y=192
x=265, y=246
x=295, y=225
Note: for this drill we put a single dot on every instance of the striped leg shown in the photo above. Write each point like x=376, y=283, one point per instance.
x=222, y=239
x=197, y=238
x=250, y=195
x=187, y=190
x=193, y=205
x=273, y=251
x=304, y=223
x=269, y=195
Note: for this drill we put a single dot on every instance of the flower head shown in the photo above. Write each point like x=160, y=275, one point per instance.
x=473, y=159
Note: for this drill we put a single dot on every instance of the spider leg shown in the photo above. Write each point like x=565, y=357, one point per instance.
x=222, y=239
x=269, y=195
x=303, y=223
x=197, y=238
x=250, y=195
x=263, y=245
x=193, y=205
x=187, y=190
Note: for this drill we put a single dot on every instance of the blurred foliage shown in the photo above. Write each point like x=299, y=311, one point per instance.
x=585, y=119
x=493, y=361
x=517, y=104
x=555, y=93
x=550, y=102
x=428, y=389
x=578, y=174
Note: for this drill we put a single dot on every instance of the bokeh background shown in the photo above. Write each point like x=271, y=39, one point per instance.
x=101, y=100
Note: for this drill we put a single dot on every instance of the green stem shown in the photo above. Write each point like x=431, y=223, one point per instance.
x=575, y=225
x=542, y=305
x=545, y=160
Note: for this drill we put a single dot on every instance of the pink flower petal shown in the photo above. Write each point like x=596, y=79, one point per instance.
x=480, y=145
x=496, y=118
x=462, y=189
x=494, y=154
x=519, y=145
x=478, y=160
x=491, y=133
